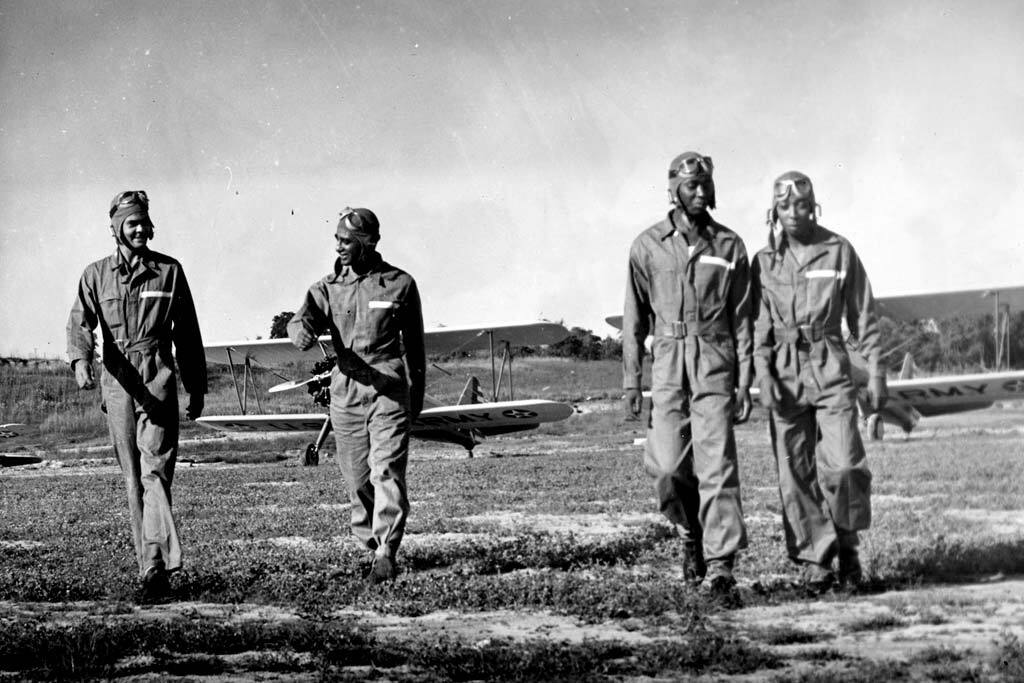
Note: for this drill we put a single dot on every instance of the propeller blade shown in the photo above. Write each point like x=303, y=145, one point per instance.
x=296, y=383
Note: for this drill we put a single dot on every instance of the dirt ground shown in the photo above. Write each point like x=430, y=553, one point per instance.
x=967, y=619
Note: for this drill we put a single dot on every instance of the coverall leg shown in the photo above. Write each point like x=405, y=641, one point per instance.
x=694, y=465
x=843, y=473
x=372, y=437
x=810, y=534
x=825, y=484
x=714, y=457
x=146, y=452
x=668, y=453
x=714, y=450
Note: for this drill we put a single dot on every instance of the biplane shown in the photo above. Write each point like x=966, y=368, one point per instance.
x=910, y=397
x=466, y=423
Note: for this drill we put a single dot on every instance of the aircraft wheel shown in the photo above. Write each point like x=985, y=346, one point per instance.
x=311, y=458
x=876, y=427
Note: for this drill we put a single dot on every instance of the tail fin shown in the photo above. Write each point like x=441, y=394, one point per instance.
x=908, y=369
x=471, y=392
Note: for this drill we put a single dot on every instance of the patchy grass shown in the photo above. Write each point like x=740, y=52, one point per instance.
x=337, y=649
x=566, y=529
x=879, y=622
x=785, y=634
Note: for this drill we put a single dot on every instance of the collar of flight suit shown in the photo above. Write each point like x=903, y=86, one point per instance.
x=706, y=234
x=777, y=248
x=117, y=263
x=346, y=274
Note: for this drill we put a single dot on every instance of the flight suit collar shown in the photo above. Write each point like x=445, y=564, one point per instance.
x=778, y=245
x=146, y=265
x=346, y=274
x=706, y=233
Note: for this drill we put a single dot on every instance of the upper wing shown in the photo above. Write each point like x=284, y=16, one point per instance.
x=944, y=305
x=273, y=352
x=958, y=391
x=267, y=352
x=478, y=338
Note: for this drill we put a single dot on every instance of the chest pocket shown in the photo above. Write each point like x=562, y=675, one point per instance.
x=824, y=287
x=777, y=287
x=711, y=277
x=112, y=309
x=667, y=293
x=382, y=316
x=153, y=309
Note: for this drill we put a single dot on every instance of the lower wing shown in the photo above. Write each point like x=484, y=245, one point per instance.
x=483, y=416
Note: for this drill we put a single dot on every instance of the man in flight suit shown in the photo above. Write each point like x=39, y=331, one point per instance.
x=807, y=281
x=141, y=302
x=688, y=285
x=372, y=311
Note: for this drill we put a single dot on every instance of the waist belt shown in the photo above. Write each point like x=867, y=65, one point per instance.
x=807, y=334
x=138, y=346
x=679, y=329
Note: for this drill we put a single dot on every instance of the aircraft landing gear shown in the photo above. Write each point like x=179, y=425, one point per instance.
x=875, y=427
x=311, y=458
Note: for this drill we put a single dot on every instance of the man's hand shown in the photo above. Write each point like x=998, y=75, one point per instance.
x=83, y=374
x=194, y=409
x=770, y=394
x=743, y=405
x=304, y=339
x=633, y=402
x=878, y=392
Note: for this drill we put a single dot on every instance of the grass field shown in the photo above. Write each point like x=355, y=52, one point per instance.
x=540, y=559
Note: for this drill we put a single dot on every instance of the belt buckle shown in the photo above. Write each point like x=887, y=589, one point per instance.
x=678, y=329
x=809, y=334
x=804, y=335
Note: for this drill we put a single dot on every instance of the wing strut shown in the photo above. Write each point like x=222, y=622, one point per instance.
x=248, y=377
x=496, y=376
x=506, y=357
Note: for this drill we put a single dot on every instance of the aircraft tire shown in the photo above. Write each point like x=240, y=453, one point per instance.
x=311, y=458
x=876, y=427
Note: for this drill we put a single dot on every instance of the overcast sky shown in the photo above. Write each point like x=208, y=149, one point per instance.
x=512, y=150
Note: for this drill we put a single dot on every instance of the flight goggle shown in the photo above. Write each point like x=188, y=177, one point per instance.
x=695, y=165
x=353, y=218
x=129, y=198
x=799, y=187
